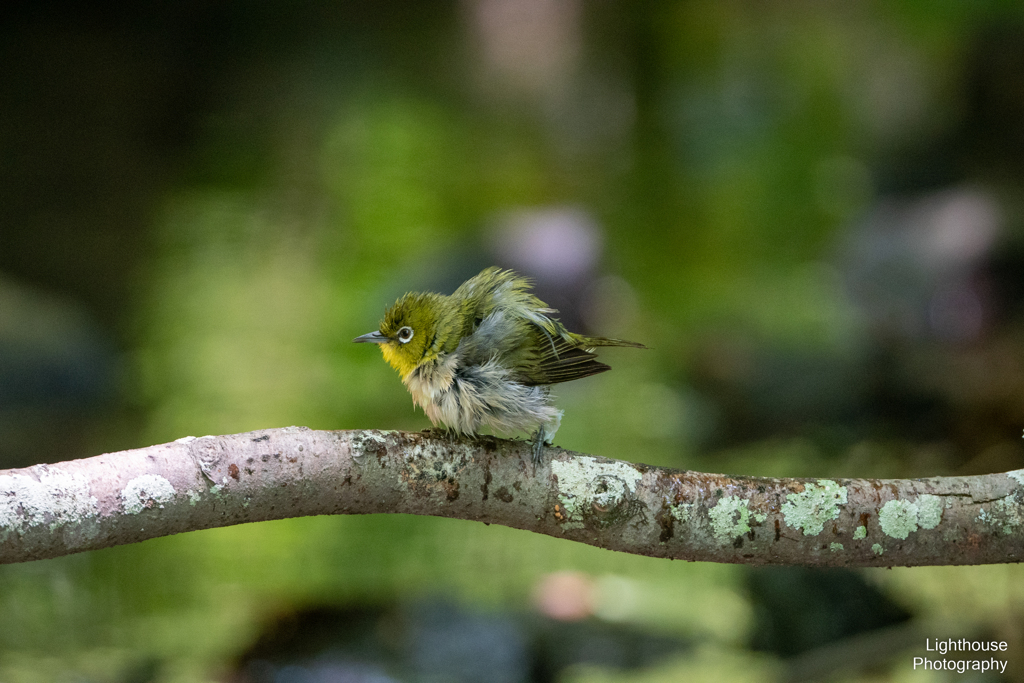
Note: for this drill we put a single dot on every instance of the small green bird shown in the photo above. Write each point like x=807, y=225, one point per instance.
x=485, y=355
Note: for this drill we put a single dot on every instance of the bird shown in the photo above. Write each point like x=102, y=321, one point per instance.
x=486, y=355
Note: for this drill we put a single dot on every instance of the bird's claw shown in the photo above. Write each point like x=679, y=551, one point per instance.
x=539, y=439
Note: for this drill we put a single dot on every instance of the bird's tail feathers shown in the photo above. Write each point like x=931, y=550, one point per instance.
x=605, y=341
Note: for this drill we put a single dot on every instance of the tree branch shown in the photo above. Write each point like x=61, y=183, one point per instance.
x=53, y=510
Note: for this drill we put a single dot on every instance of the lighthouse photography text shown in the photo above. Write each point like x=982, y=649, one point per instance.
x=942, y=647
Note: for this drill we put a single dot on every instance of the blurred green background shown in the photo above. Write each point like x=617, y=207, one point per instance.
x=810, y=211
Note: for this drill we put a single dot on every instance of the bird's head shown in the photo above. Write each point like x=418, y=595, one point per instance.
x=409, y=330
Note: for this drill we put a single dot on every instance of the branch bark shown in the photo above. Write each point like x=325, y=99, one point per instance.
x=199, y=483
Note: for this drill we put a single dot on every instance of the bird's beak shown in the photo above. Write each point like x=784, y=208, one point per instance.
x=372, y=338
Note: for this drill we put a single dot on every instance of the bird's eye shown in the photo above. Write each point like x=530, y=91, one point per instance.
x=405, y=334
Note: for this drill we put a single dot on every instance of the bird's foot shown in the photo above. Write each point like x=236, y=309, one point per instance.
x=539, y=442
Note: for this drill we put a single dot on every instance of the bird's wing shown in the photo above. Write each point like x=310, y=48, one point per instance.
x=494, y=336
x=556, y=360
x=531, y=354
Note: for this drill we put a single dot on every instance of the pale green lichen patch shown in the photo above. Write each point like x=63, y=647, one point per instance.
x=811, y=509
x=877, y=549
x=730, y=518
x=56, y=498
x=1017, y=475
x=144, y=492
x=682, y=511
x=898, y=518
x=1010, y=512
x=860, y=533
x=929, y=511
x=586, y=484
x=835, y=547
x=1005, y=514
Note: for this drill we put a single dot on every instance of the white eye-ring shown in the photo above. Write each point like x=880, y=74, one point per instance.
x=405, y=334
